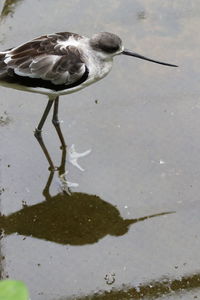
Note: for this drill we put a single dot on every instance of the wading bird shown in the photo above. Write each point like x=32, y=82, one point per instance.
x=59, y=64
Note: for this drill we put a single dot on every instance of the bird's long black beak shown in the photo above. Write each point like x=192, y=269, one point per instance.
x=130, y=53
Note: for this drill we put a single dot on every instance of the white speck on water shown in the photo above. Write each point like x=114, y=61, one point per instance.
x=163, y=175
x=196, y=106
x=165, y=280
x=126, y=206
x=162, y=162
x=27, y=190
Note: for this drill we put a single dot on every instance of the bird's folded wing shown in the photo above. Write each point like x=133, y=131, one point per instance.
x=48, y=58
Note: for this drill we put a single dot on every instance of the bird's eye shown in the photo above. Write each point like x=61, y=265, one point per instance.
x=110, y=48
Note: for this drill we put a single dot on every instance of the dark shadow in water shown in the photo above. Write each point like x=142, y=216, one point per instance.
x=150, y=290
x=76, y=219
x=9, y=8
x=68, y=217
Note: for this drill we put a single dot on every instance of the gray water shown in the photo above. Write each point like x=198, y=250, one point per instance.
x=131, y=226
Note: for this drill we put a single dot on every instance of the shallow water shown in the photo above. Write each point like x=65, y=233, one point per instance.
x=130, y=229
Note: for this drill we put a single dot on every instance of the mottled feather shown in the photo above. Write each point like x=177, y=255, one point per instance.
x=48, y=57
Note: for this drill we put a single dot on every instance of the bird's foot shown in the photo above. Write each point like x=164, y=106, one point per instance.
x=73, y=156
x=64, y=184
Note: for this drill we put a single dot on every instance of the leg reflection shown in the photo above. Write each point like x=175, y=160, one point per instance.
x=56, y=123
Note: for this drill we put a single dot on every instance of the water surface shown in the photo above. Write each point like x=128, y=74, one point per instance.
x=142, y=123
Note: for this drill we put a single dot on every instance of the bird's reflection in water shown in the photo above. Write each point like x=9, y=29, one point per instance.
x=75, y=219
x=68, y=217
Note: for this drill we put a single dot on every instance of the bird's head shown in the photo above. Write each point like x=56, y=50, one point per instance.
x=107, y=45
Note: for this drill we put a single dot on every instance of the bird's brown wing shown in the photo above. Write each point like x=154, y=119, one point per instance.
x=50, y=58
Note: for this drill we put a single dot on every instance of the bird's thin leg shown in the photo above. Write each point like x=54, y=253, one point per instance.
x=56, y=122
x=38, y=133
x=46, y=191
x=38, y=130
